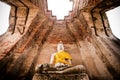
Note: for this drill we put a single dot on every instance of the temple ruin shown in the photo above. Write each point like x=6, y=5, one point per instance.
x=33, y=35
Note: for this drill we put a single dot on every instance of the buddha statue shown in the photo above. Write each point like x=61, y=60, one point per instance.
x=61, y=58
x=60, y=63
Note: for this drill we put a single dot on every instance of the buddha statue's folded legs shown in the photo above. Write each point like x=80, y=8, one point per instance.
x=46, y=68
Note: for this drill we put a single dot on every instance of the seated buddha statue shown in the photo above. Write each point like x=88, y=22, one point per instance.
x=60, y=62
x=61, y=58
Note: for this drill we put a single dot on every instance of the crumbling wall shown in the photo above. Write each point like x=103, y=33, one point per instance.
x=33, y=36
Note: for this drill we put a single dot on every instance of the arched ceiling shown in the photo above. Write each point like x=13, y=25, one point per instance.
x=84, y=5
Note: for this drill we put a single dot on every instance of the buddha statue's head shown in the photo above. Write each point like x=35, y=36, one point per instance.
x=60, y=46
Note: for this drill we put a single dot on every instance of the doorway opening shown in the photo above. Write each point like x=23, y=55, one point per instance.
x=4, y=17
x=114, y=21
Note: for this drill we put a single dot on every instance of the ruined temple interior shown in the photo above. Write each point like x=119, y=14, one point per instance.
x=34, y=33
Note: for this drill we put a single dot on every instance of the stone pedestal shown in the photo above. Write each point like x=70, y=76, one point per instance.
x=81, y=76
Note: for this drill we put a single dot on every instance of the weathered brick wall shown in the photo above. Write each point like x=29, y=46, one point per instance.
x=86, y=36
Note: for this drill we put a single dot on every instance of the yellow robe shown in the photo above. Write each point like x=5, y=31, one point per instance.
x=62, y=57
